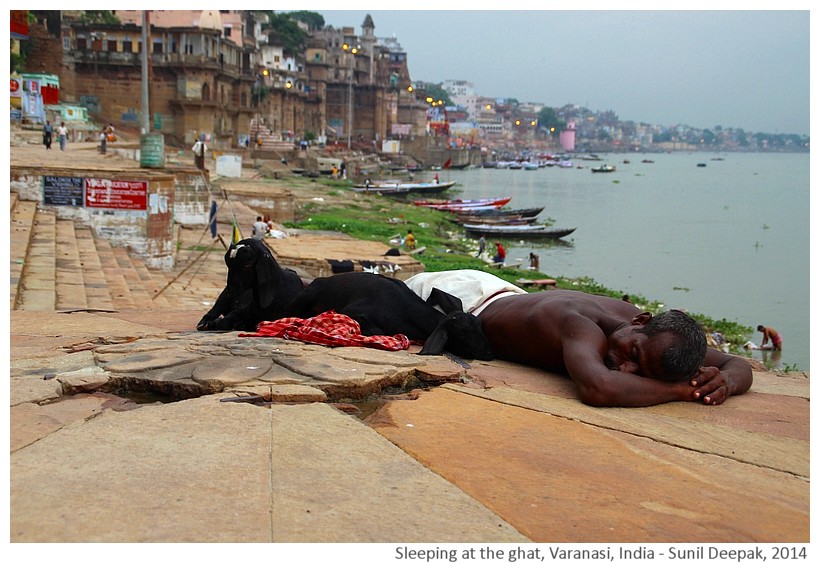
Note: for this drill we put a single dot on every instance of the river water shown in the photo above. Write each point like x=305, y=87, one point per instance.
x=728, y=240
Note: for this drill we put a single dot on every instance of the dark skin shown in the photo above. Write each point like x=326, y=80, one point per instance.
x=596, y=341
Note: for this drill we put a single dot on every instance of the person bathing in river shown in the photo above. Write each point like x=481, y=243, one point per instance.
x=770, y=334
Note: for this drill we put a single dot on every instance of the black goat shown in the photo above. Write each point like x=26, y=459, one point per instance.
x=257, y=289
x=385, y=306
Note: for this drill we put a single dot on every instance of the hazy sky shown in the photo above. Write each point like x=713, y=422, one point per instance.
x=747, y=69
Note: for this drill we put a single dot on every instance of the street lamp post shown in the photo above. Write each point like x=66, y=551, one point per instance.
x=352, y=51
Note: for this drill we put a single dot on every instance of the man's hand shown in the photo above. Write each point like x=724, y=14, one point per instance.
x=710, y=386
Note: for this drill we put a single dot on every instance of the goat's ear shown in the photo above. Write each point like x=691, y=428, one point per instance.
x=448, y=303
x=266, y=273
x=434, y=345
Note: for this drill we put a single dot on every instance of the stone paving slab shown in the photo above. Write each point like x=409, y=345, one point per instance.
x=561, y=478
x=208, y=471
x=699, y=428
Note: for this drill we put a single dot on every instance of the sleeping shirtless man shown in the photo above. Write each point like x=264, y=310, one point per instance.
x=616, y=354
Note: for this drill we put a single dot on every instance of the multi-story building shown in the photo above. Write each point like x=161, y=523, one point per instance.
x=200, y=80
x=218, y=72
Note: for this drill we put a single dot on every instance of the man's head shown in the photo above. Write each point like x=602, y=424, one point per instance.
x=687, y=350
x=670, y=346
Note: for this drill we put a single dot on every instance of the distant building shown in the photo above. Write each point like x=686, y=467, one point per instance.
x=567, y=137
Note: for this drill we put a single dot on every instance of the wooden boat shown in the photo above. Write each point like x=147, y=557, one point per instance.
x=455, y=205
x=518, y=231
x=494, y=219
x=495, y=215
x=403, y=188
x=480, y=214
x=603, y=168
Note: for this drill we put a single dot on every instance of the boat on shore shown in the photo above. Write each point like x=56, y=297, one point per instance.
x=478, y=215
x=454, y=205
x=493, y=220
x=518, y=231
x=403, y=188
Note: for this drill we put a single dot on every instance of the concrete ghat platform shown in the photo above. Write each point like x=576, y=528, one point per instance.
x=205, y=471
x=559, y=472
x=499, y=453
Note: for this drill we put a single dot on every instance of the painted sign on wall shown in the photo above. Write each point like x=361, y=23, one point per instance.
x=116, y=194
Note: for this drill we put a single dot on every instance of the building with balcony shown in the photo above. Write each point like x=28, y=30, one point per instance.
x=221, y=73
x=200, y=80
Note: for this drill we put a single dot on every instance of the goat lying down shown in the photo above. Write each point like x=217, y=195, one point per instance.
x=257, y=289
x=386, y=306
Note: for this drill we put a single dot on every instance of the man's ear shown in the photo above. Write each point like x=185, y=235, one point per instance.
x=642, y=319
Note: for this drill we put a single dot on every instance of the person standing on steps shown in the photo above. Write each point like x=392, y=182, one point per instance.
x=48, y=134
x=199, y=150
x=62, y=134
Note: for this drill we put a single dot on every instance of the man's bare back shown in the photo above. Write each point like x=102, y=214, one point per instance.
x=603, y=345
x=547, y=314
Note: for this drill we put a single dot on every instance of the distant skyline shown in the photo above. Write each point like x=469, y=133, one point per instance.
x=736, y=69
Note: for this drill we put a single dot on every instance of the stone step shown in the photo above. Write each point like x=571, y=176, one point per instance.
x=59, y=265
x=198, y=278
x=94, y=281
x=70, y=283
x=137, y=293
x=151, y=282
x=118, y=286
x=36, y=289
x=22, y=221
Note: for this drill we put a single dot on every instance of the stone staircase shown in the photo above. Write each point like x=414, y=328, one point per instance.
x=57, y=265
x=269, y=141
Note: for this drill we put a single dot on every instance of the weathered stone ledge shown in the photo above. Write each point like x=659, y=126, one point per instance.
x=188, y=365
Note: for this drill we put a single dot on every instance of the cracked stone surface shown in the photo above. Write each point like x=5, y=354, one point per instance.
x=194, y=364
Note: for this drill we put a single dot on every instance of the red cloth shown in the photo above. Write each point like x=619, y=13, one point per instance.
x=328, y=329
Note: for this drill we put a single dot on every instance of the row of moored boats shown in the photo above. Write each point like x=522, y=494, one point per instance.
x=489, y=216
x=483, y=216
